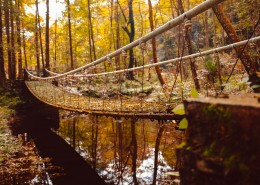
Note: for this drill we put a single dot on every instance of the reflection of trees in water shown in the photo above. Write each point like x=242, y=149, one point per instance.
x=134, y=150
x=156, y=151
x=123, y=150
x=94, y=139
x=74, y=133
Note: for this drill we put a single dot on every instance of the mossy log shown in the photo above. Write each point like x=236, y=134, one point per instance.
x=222, y=141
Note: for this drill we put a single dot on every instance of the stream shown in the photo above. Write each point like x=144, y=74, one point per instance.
x=97, y=149
x=123, y=151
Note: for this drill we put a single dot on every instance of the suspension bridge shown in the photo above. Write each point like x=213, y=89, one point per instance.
x=73, y=90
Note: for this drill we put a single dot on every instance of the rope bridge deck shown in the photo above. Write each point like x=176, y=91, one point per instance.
x=55, y=96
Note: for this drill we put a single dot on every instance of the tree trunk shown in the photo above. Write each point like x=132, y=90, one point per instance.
x=67, y=57
x=157, y=68
x=24, y=48
x=172, y=9
x=75, y=48
x=206, y=29
x=188, y=4
x=112, y=37
x=230, y=30
x=70, y=36
x=91, y=31
x=47, y=38
x=188, y=41
x=130, y=74
x=90, y=45
x=130, y=33
x=40, y=34
x=216, y=54
x=19, y=42
x=13, y=63
x=92, y=48
x=225, y=133
x=36, y=39
x=2, y=66
x=214, y=32
x=117, y=58
x=55, y=45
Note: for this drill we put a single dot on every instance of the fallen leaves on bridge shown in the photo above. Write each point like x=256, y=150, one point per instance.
x=56, y=96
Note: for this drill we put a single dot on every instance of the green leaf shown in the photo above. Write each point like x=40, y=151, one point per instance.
x=255, y=86
x=179, y=110
x=183, y=124
x=194, y=93
x=182, y=145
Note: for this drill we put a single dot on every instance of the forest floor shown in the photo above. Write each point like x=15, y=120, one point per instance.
x=214, y=81
x=19, y=161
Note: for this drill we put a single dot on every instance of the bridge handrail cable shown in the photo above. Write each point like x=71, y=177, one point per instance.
x=170, y=24
x=222, y=48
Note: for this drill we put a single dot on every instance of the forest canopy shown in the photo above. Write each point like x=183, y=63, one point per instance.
x=62, y=35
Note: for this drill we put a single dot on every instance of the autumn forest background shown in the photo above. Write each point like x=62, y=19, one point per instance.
x=62, y=35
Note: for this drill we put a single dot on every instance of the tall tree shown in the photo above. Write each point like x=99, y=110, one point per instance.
x=37, y=39
x=2, y=66
x=111, y=34
x=19, y=41
x=24, y=41
x=40, y=35
x=117, y=58
x=55, y=41
x=13, y=56
x=188, y=41
x=172, y=8
x=230, y=30
x=91, y=34
x=8, y=39
x=24, y=49
x=157, y=68
x=70, y=36
x=47, y=38
x=131, y=35
x=206, y=27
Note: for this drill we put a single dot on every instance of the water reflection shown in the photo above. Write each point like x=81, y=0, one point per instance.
x=123, y=151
